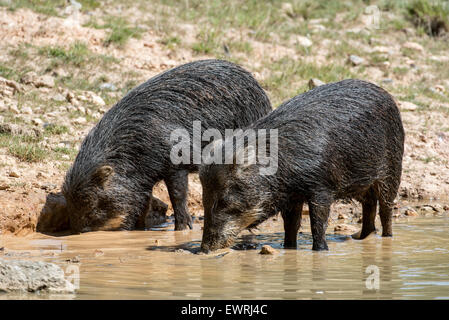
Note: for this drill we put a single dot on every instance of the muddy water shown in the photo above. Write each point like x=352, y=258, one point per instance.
x=164, y=264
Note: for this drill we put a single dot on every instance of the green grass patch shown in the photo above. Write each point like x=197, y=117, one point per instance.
x=119, y=30
x=56, y=129
x=431, y=16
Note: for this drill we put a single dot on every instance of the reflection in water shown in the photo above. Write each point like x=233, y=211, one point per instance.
x=167, y=264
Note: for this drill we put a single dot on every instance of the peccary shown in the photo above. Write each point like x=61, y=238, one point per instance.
x=343, y=140
x=110, y=183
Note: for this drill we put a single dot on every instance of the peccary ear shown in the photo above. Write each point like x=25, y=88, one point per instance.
x=102, y=174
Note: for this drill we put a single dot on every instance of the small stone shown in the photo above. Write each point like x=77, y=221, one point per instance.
x=446, y=208
x=80, y=120
x=37, y=122
x=81, y=109
x=65, y=157
x=266, y=249
x=75, y=259
x=13, y=108
x=345, y=228
x=413, y=46
x=97, y=100
x=355, y=60
x=303, y=41
x=59, y=97
x=313, y=83
x=45, y=81
x=108, y=86
x=387, y=81
x=29, y=77
x=27, y=110
x=405, y=105
x=439, y=88
x=96, y=115
x=98, y=253
x=411, y=213
x=287, y=8
x=4, y=186
x=13, y=174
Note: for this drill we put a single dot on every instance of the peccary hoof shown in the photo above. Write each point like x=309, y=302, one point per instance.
x=54, y=216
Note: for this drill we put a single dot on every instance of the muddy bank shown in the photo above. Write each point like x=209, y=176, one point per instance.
x=20, y=212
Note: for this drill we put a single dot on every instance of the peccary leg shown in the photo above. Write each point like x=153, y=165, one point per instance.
x=319, y=214
x=369, y=205
x=386, y=212
x=292, y=223
x=177, y=185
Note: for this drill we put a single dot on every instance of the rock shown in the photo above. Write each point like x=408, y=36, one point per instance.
x=80, y=120
x=266, y=249
x=408, y=106
x=313, y=83
x=287, y=8
x=37, y=122
x=439, y=88
x=33, y=276
x=355, y=60
x=13, y=174
x=29, y=77
x=81, y=109
x=13, y=108
x=9, y=87
x=59, y=97
x=65, y=157
x=387, y=81
x=4, y=186
x=44, y=81
x=317, y=28
x=426, y=209
x=411, y=212
x=303, y=41
x=108, y=86
x=413, y=46
x=98, y=253
x=345, y=228
x=54, y=215
x=446, y=208
x=97, y=100
x=27, y=110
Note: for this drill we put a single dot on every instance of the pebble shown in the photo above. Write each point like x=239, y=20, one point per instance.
x=266, y=249
x=37, y=122
x=313, y=83
x=411, y=213
x=13, y=174
x=45, y=81
x=80, y=120
x=356, y=60
x=27, y=110
x=59, y=97
x=409, y=106
x=108, y=86
x=303, y=41
x=413, y=46
x=345, y=228
x=97, y=100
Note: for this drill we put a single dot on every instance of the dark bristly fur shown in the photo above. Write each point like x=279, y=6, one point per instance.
x=128, y=151
x=338, y=141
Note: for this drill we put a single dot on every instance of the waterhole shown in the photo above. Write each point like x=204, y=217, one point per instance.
x=163, y=264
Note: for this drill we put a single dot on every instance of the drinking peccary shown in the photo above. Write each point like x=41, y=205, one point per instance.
x=110, y=183
x=338, y=141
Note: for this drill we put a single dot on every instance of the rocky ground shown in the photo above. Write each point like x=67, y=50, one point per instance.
x=62, y=66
